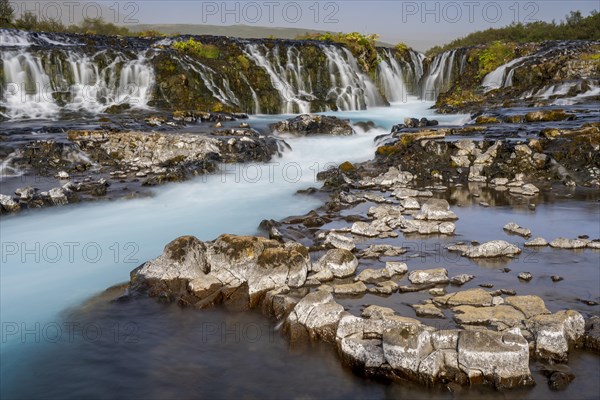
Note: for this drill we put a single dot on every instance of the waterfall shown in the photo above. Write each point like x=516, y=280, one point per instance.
x=208, y=76
x=391, y=79
x=499, y=77
x=27, y=89
x=294, y=99
x=9, y=38
x=440, y=75
x=37, y=88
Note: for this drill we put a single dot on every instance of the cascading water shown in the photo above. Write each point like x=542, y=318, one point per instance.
x=440, y=75
x=391, y=79
x=501, y=76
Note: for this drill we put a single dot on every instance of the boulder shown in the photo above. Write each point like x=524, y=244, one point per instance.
x=436, y=210
x=516, y=229
x=364, y=229
x=340, y=241
x=556, y=333
x=471, y=297
x=313, y=124
x=495, y=248
x=428, y=276
x=461, y=279
x=340, y=262
x=427, y=311
x=537, y=242
x=316, y=315
x=563, y=243
x=8, y=205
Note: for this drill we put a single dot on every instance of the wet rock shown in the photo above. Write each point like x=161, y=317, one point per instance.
x=530, y=306
x=559, y=380
x=377, y=312
x=461, y=279
x=325, y=275
x=428, y=276
x=556, y=333
x=405, y=193
x=62, y=175
x=525, y=276
x=313, y=124
x=340, y=241
x=461, y=248
x=350, y=289
x=8, y=205
x=364, y=229
x=563, y=243
x=340, y=262
x=410, y=204
x=384, y=288
x=499, y=181
x=377, y=275
x=556, y=278
x=538, y=241
x=471, y=297
x=58, y=196
x=516, y=229
x=499, y=358
x=382, y=250
x=495, y=248
x=500, y=317
x=437, y=291
x=591, y=339
x=525, y=190
x=436, y=210
x=427, y=227
x=427, y=311
x=317, y=315
x=594, y=244
x=548, y=115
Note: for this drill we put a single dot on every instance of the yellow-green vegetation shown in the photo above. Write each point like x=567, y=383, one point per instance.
x=459, y=97
x=575, y=26
x=243, y=62
x=486, y=119
x=401, y=48
x=151, y=34
x=495, y=55
x=363, y=47
x=197, y=49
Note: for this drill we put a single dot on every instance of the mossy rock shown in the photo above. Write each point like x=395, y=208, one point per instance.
x=549, y=116
x=486, y=119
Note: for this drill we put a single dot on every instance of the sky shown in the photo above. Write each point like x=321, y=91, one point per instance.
x=421, y=24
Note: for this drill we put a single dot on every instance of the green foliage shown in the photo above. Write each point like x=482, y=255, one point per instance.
x=243, y=62
x=575, y=26
x=150, y=34
x=196, y=49
x=401, y=47
x=97, y=26
x=363, y=47
x=495, y=55
x=6, y=14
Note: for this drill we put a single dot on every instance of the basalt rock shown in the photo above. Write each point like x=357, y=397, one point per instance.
x=312, y=124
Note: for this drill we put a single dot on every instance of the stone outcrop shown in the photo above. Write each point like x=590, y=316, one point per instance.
x=313, y=124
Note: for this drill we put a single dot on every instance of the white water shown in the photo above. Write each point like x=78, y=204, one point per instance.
x=29, y=91
x=391, y=79
x=501, y=76
x=234, y=201
x=439, y=76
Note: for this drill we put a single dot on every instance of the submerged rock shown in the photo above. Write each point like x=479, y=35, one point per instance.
x=516, y=229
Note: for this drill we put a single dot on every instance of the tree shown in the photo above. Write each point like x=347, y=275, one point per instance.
x=6, y=14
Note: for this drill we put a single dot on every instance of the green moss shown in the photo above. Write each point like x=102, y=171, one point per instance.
x=243, y=62
x=486, y=119
x=495, y=55
x=196, y=49
x=386, y=151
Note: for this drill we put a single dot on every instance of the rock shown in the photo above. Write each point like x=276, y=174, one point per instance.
x=340, y=262
x=427, y=227
x=548, y=115
x=501, y=317
x=530, y=306
x=325, y=275
x=364, y=229
x=516, y=229
x=396, y=268
x=499, y=181
x=340, y=241
x=427, y=311
x=410, y=203
x=461, y=279
x=525, y=190
x=377, y=275
x=382, y=250
x=26, y=193
x=62, y=175
x=486, y=119
x=556, y=333
x=7, y=204
x=495, y=248
x=58, y=196
x=436, y=210
x=471, y=297
x=562, y=243
x=429, y=276
x=556, y=278
x=404, y=193
x=560, y=380
x=437, y=291
x=384, y=288
x=499, y=358
x=317, y=314
x=591, y=339
x=525, y=276
x=594, y=244
x=538, y=241
x=313, y=124
x=350, y=289
x=377, y=312
x=246, y=267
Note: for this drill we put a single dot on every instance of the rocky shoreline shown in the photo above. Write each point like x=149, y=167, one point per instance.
x=304, y=271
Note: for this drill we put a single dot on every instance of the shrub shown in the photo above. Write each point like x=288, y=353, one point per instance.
x=196, y=49
x=495, y=55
